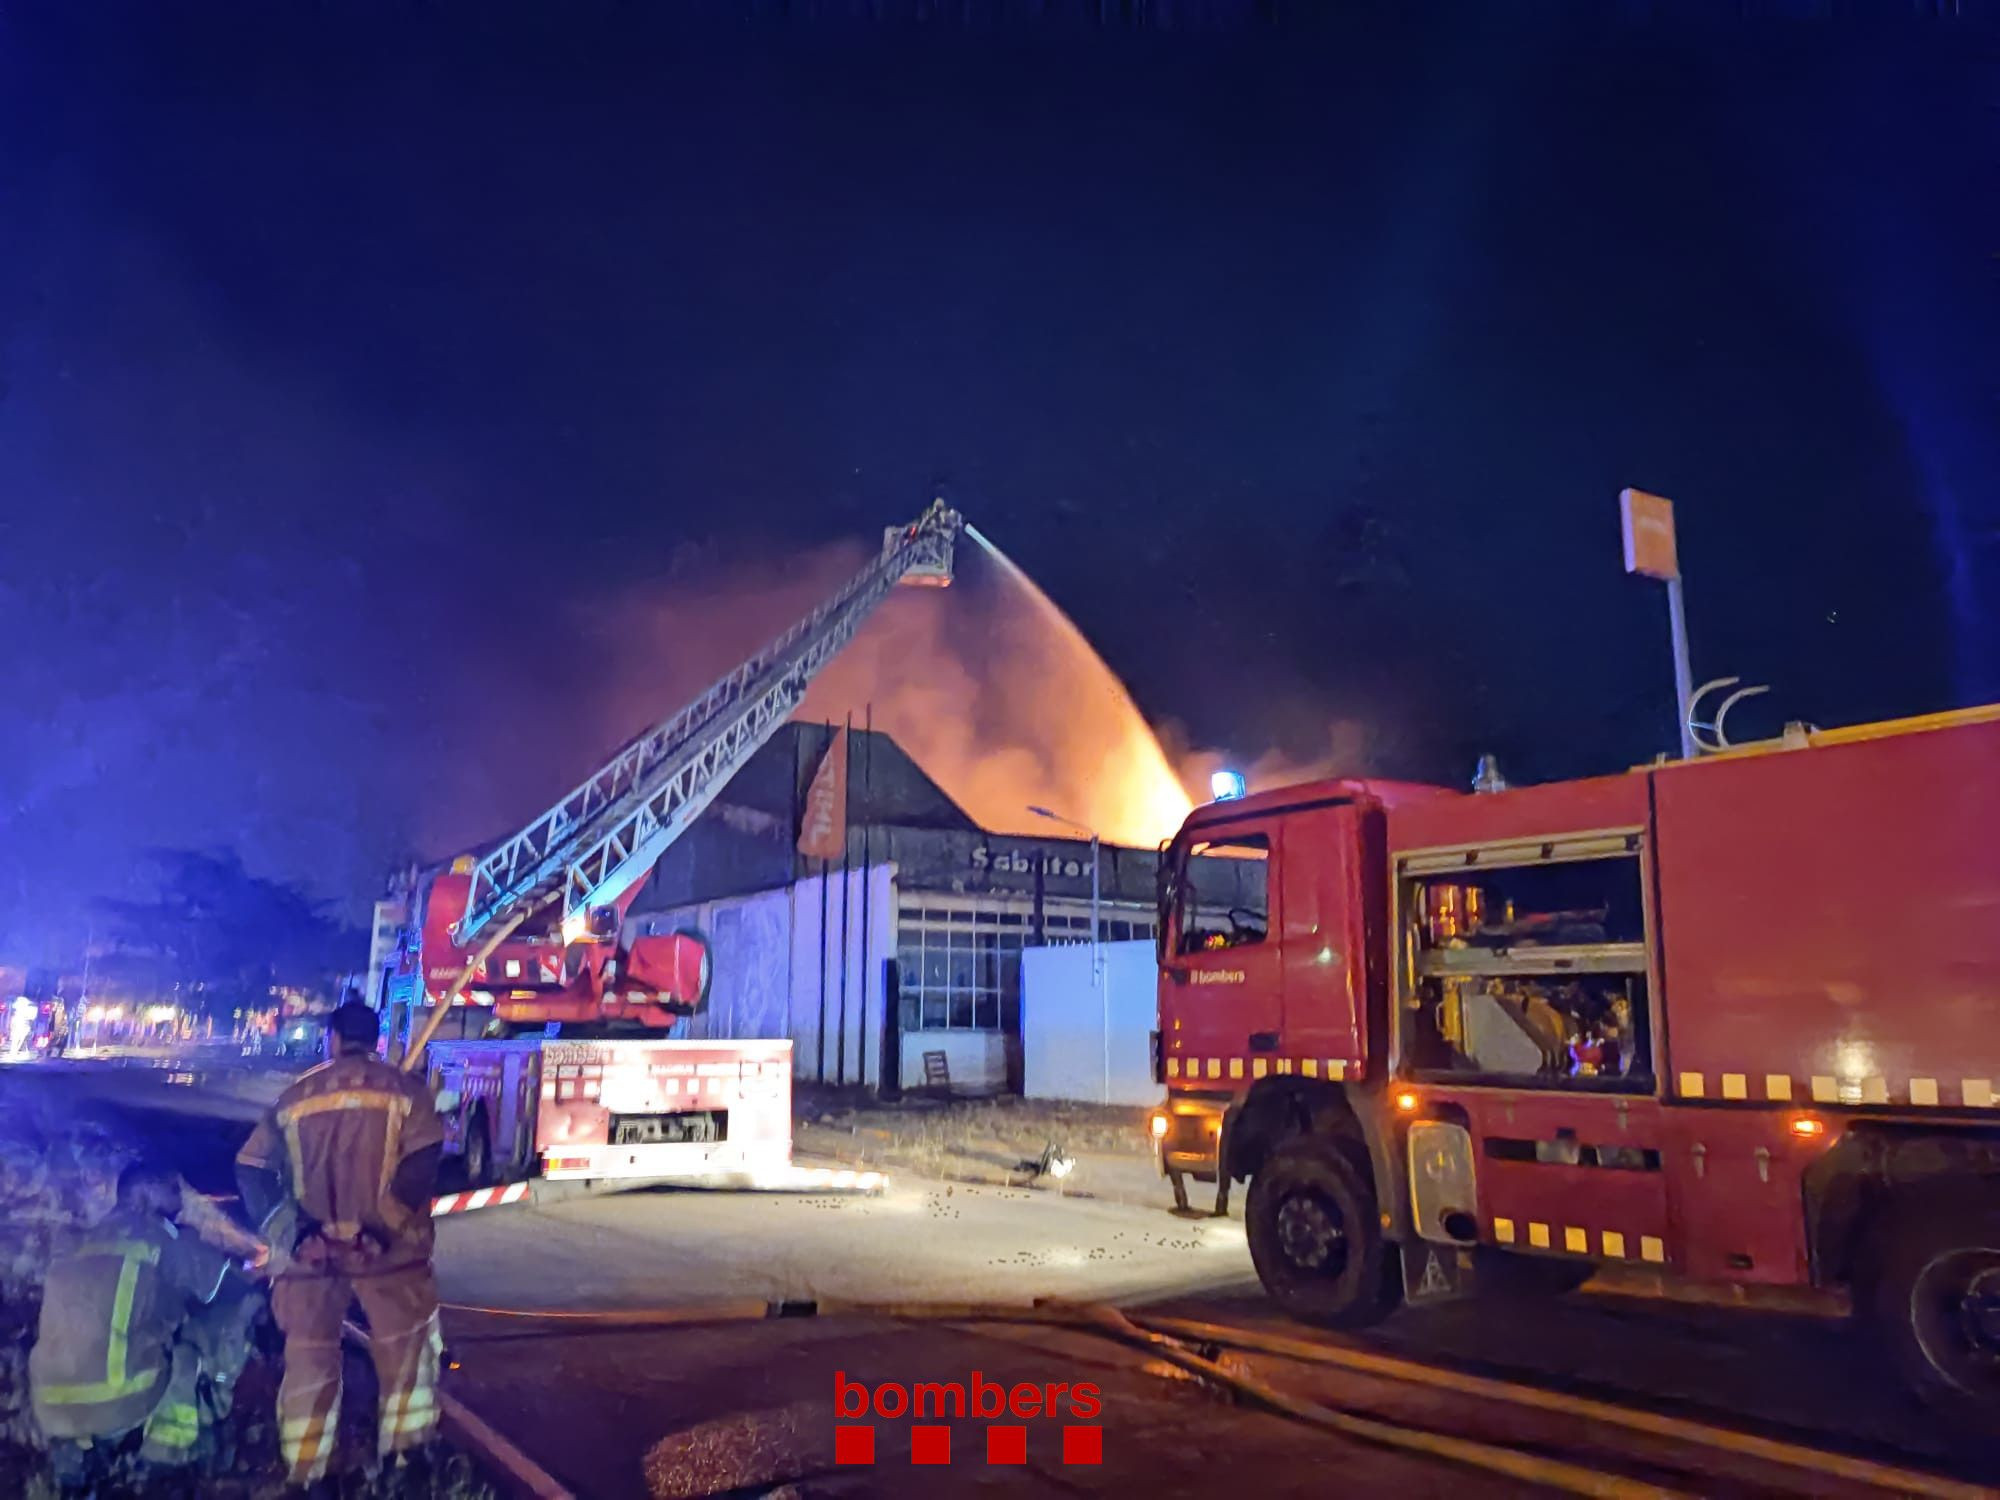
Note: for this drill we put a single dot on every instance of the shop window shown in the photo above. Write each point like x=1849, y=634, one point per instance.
x=960, y=969
x=953, y=968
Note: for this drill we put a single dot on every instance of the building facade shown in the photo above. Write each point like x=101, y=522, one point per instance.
x=901, y=963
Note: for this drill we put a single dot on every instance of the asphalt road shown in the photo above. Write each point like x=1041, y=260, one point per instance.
x=1799, y=1378
x=914, y=1243
x=634, y=1410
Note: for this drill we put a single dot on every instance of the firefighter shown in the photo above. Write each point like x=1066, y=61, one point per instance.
x=340, y=1174
x=119, y=1348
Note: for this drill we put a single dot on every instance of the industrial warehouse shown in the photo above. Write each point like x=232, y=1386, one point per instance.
x=833, y=873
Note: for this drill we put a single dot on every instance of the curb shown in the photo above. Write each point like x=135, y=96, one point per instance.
x=515, y=1470
x=861, y=1181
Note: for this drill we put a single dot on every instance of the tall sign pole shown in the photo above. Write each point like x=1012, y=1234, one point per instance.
x=1651, y=550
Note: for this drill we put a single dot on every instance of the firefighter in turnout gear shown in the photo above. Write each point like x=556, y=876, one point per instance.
x=116, y=1349
x=340, y=1175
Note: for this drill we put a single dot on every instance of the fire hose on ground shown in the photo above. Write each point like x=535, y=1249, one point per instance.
x=1172, y=1340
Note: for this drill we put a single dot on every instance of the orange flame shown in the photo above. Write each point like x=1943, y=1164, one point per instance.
x=1001, y=700
x=987, y=685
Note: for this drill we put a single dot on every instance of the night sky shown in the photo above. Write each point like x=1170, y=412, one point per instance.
x=354, y=358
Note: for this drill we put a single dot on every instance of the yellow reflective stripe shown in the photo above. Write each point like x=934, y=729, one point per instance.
x=392, y=1137
x=119, y=1349
x=294, y=1152
x=174, y=1424
x=138, y=1250
x=102, y=1390
x=309, y=1446
x=118, y=1382
x=320, y=1104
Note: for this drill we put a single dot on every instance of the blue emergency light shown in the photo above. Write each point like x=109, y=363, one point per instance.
x=1226, y=786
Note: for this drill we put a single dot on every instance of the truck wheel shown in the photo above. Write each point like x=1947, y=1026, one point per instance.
x=1936, y=1304
x=478, y=1151
x=1316, y=1238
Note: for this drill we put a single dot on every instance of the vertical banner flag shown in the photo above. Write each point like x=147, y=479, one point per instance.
x=823, y=829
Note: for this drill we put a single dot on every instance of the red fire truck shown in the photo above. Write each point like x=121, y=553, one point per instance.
x=474, y=958
x=1733, y=1020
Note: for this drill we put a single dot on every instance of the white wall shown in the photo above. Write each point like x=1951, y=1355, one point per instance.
x=1063, y=1022
x=770, y=980
x=976, y=1060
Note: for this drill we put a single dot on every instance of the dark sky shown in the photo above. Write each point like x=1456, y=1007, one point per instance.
x=351, y=357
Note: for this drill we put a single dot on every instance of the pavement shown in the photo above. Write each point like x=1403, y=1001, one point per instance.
x=926, y=1242
x=613, y=1406
x=735, y=1409
x=990, y=1141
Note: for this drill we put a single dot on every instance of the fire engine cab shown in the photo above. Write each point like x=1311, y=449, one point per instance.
x=1733, y=1020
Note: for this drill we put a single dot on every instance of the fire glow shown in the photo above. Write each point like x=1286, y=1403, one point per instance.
x=994, y=691
x=988, y=686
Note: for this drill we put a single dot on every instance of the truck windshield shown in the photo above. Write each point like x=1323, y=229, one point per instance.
x=1223, y=894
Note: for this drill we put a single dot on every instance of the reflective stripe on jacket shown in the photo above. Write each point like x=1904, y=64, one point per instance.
x=110, y=1306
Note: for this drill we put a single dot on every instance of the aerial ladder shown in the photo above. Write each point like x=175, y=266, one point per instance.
x=532, y=927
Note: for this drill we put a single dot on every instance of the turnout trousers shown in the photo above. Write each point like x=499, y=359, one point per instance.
x=404, y=1341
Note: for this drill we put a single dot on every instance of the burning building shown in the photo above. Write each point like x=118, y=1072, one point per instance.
x=855, y=908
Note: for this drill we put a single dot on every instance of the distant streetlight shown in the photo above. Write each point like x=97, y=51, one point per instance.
x=1096, y=933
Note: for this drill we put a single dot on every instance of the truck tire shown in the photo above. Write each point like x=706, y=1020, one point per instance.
x=1316, y=1237
x=478, y=1155
x=1935, y=1304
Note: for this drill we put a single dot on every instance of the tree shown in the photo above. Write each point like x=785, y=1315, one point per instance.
x=220, y=938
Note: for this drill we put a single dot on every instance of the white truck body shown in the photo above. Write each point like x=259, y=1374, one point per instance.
x=705, y=1113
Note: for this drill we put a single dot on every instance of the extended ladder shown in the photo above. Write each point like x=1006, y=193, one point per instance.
x=603, y=838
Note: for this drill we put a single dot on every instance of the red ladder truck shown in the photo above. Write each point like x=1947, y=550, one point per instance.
x=530, y=936
x=1733, y=1020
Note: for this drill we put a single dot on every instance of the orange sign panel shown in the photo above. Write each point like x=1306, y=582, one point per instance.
x=1649, y=534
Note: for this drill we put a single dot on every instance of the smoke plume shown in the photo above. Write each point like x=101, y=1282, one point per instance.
x=987, y=684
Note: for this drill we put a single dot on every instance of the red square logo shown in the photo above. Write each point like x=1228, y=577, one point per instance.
x=930, y=1445
x=1083, y=1445
x=1006, y=1445
x=853, y=1445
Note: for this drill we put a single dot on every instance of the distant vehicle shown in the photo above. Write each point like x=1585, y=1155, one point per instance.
x=302, y=1038
x=609, y=1108
x=1733, y=1020
x=22, y=1017
x=35, y=1029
